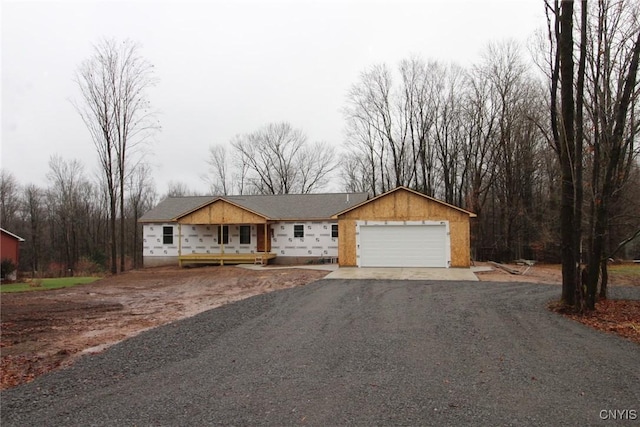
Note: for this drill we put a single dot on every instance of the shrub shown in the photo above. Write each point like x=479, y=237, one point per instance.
x=88, y=267
x=7, y=266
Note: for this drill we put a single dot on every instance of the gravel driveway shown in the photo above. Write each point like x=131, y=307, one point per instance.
x=352, y=353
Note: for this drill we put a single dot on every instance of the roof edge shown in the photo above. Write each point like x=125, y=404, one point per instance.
x=210, y=202
x=401, y=187
x=20, y=239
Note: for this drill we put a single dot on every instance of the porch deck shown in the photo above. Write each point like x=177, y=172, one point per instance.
x=224, y=258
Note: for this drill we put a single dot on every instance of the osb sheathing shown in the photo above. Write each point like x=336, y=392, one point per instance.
x=221, y=212
x=404, y=205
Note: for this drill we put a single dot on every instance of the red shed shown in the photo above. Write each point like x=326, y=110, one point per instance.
x=10, y=246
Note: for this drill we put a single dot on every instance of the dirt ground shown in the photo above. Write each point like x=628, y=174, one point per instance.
x=45, y=330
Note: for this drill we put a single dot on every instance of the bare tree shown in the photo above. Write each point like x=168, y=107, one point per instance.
x=355, y=173
x=374, y=127
x=34, y=214
x=597, y=111
x=219, y=177
x=515, y=96
x=9, y=199
x=179, y=189
x=564, y=140
x=481, y=130
x=278, y=160
x=315, y=163
x=612, y=72
x=447, y=132
x=113, y=105
x=141, y=197
x=421, y=84
x=65, y=196
x=390, y=125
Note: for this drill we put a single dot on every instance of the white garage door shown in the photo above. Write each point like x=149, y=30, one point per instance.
x=401, y=245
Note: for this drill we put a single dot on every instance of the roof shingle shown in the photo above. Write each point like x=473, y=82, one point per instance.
x=273, y=207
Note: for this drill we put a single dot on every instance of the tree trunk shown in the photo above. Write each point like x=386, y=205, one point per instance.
x=579, y=193
x=595, y=258
x=567, y=149
x=610, y=183
x=604, y=271
x=122, y=241
x=136, y=263
x=112, y=233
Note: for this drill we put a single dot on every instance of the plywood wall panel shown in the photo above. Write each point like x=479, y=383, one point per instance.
x=404, y=205
x=222, y=212
x=346, y=242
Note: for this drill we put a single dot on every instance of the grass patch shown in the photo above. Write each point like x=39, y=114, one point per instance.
x=625, y=274
x=627, y=268
x=47, y=284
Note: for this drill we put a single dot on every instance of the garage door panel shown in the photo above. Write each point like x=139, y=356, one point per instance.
x=403, y=246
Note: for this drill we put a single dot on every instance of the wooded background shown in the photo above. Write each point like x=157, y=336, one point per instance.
x=481, y=137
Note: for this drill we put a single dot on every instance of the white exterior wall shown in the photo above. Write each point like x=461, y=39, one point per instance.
x=152, y=241
x=317, y=240
x=195, y=239
x=203, y=239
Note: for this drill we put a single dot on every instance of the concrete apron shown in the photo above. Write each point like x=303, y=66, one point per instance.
x=389, y=273
x=382, y=273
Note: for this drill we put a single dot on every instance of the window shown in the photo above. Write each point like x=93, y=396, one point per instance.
x=167, y=235
x=334, y=230
x=298, y=230
x=245, y=234
x=223, y=234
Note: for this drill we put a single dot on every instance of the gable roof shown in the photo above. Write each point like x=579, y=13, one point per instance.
x=286, y=207
x=18, y=238
x=172, y=207
x=401, y=188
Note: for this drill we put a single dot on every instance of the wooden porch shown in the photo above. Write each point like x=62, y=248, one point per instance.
x=226, y=258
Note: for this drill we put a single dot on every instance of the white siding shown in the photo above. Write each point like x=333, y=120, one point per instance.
x=317, y=240
x=203, y=239
x=194, y=239
x=152, y=240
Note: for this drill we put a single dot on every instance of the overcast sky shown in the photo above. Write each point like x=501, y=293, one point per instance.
x=224, y=67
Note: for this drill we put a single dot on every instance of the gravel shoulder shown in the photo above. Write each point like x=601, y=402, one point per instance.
x=351, y=352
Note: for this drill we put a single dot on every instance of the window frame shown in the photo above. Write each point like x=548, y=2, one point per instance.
x=167, y=235
x=298, y=231
x=334, y=231
x=245, y=237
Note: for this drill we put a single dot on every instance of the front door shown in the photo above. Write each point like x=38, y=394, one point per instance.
x=264, y=241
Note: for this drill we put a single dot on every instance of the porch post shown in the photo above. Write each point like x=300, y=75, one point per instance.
x=179, y=244
x=264, y=242
x=221, y=228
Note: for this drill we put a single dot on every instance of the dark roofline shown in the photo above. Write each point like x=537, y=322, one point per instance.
x=18, y=238
x=142, y=220
x=248, y=203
